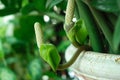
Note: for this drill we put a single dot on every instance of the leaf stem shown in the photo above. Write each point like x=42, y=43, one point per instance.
x=101, y=22
x=73, y=59
x=93, y=31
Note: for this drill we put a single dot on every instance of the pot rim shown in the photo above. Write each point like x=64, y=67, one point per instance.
x=100, y=66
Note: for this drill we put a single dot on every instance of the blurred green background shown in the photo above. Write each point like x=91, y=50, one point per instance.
x=19, y=56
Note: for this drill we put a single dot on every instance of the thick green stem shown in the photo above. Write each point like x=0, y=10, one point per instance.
x=112, y=19
x=102, y=23
x=94, y=34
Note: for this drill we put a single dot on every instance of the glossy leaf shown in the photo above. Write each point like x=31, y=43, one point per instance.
x=2, y=32
x=5, y=2
x=1, y=50
x=12, y=3
x=54, y=2
x=62, y=4
x=118, y=3
x=25, y=31
x=40, y=5
x=27, y=9
x=48, y=3
x=50, y=54
x=6, y=74
x=93, y=31
x=19, y=3
x=106, y=5
x=82, y=33
x=56, y=16
x=63, y=45
x=8, y=11
x=116, y=36
x=17, y=46
x=35, y=69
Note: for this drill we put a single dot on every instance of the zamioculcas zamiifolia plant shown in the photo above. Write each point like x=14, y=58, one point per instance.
x=49, y=52
x=91, y=31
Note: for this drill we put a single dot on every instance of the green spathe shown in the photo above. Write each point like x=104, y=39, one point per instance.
x=78, y=33
x=50, y=54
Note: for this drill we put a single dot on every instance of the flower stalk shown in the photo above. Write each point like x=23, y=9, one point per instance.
x=69, y=15
x=38, y=33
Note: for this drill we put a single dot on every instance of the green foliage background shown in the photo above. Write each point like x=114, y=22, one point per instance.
x=19, y=56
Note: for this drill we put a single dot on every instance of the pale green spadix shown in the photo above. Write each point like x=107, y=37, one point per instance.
x=47, y=51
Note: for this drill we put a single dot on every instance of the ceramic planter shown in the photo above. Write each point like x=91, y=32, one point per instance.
x=95, y=66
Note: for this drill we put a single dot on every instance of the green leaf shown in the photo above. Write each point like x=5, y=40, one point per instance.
x=1, y=50
x=19, y=47
x=101, y=22
x=6, y=74
x=19, y=3
x=62, y=5
x=25, y=2
x=40, y=5
x=49, y=32
x=5, y=2
x=106, y=5
x=63, y=45
x=48, y=3
x=12, y=3
x=54, y=2
x=25, y=31
x=55, y=16
x=8, y=11
x=82, y=33
x=93, y=31
x=35, y=69
x=50, y=54
x=116, y=36
x=27, y=9
x=118, y=3
x=2, y=32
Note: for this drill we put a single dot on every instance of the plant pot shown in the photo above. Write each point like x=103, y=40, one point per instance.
x=94, y=66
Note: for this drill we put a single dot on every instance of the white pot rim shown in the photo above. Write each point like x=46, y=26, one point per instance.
x=100, y=66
